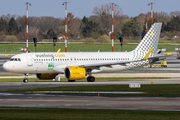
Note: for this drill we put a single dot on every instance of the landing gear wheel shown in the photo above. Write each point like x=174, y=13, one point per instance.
x=71, y=80
x=90, y=79
x=26, y=77
x=25, y=80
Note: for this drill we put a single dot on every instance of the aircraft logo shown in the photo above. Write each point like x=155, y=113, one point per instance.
x=50, y=66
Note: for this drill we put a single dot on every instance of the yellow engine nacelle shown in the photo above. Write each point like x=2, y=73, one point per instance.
x=75, y=73
x=46, y=76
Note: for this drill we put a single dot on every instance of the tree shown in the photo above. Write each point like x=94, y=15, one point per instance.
x=13, y=27
x=21, y=21
x=175, y=14
x=173, y=25
x=71, y=25
x=85, y=20
x=3, y=25
x=143, y=32
x=89, y=28
x=131, y=28
x=51, y=33
x=118, y=33
x=105, y=18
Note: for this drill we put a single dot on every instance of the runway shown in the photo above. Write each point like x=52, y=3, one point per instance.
x=89, y=102
x=6, y=86
x=85, y=101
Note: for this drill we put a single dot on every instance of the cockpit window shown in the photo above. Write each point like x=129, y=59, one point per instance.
x=15, y=59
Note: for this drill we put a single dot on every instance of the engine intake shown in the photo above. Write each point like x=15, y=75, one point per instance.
x=46, y=76
x=75, y=73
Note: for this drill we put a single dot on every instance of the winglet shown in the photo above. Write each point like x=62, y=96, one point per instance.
x=147, y=56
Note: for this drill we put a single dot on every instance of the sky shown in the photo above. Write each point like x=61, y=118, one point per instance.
x=80, y=8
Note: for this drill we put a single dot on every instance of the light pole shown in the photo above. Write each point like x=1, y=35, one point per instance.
x=27, y=25
x=113, y=26
x=146, y=24
x=65, y=3
x=151, y=12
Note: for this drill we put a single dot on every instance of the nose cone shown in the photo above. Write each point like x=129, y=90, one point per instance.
x=6, y=66
x=12, y=67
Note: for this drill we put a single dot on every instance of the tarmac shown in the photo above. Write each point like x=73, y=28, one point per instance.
x=25, y=100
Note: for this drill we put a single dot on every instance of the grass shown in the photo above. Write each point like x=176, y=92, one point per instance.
x=10, y=75
x=153, y=90
x=79, y=114
x=64, y=79
x=14, y=48
x=169, y=41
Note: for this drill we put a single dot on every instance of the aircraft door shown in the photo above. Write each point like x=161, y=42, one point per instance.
x=29, y=60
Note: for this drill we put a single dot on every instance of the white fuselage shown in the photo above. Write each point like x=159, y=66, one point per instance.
x=57, y=62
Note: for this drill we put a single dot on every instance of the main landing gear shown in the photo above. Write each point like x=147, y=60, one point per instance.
x=25, y=80
x=90, y=78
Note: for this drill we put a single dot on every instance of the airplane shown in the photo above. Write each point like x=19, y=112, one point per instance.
x=78, y=65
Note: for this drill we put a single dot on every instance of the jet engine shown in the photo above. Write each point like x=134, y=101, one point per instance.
x=45, y=76
x=75, y=73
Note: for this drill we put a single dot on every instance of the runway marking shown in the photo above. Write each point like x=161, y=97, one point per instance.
x=36, y=100
x=67, y=105
x=102, y=92
x=10, y=84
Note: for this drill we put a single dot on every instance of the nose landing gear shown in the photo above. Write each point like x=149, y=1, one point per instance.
x=25, y=80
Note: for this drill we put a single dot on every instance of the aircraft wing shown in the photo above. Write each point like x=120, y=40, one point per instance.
x=105, y=64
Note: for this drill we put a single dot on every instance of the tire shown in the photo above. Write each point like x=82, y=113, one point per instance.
x=90, y=79
x=25, y=80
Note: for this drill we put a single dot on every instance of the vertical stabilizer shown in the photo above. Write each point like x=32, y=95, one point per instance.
x=149, y=41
